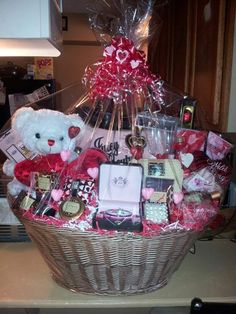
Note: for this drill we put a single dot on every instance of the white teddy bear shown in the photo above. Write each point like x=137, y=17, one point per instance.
x=44, y=132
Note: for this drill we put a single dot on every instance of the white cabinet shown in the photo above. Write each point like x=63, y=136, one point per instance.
x=33, y=25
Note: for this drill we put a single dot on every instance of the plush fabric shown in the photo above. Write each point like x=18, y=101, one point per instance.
x=47, y=131
x=43, y=132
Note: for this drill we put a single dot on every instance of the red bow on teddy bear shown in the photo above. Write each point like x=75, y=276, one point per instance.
x=89, y=159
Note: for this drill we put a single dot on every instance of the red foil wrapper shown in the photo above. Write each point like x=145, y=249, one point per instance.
x=190, y=141
x=193, y=215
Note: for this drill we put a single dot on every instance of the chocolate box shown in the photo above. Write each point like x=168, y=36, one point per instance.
x=161, y=174
x=119, y=197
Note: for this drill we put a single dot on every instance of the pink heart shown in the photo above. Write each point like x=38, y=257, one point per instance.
x=186, y=159
x=65, y=154
x=147, y=193
x=93, y=172
x=56, y=194
x=178, y=197
x=134, y=64
x=121, y=55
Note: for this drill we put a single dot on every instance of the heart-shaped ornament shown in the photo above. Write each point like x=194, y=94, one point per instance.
x=121, y=55
x=134, y=64
x=65, y=154
x=134, y=141
x=56, y=194
x=93, y=172
x=186, y=159
x=178, y=197
x=147, y=193
x=73, y=131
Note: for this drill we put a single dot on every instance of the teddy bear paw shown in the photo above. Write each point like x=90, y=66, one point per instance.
x=15, y=187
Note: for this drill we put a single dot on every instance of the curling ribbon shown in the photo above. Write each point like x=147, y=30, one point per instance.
x=121, y=72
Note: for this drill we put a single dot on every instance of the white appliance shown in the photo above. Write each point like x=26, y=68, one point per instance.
x=30, y=28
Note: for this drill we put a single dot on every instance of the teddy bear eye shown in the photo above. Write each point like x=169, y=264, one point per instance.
x=37, y=135
x=61, y=138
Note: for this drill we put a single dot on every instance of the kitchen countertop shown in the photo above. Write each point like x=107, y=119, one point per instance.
x=210, y=274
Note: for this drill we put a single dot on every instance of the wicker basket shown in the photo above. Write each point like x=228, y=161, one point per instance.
x=119, y=264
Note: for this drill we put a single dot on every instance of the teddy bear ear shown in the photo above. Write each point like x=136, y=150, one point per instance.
x=76, y=121
x=20, y=117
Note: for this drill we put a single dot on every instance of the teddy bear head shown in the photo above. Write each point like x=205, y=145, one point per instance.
x=47, y=131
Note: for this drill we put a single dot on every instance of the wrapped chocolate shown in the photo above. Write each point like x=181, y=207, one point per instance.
x=190, y=141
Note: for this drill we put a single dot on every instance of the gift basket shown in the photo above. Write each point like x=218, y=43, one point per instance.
x=113, y=191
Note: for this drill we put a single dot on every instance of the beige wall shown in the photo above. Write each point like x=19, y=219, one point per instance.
x=76, y=55
x=78, y=28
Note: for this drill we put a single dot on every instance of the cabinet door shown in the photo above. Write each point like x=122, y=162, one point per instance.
x=194, y=54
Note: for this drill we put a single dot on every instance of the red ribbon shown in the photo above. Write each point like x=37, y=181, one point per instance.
x=122, y=72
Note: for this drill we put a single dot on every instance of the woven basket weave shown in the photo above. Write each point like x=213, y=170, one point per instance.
x=89, y=262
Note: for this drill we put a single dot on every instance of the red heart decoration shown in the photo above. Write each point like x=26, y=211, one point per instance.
x=73, y=131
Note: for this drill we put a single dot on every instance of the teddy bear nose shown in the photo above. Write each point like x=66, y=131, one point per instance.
x=51, y=142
